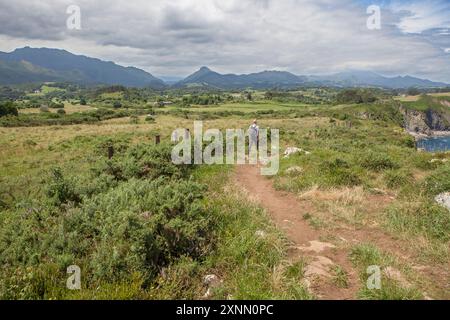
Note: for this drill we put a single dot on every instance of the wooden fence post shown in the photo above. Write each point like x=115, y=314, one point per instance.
x=110, y=152
x=157, y=139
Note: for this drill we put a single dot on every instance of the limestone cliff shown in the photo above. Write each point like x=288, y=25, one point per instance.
x=425, y=122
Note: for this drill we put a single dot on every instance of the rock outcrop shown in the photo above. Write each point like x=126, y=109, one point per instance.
x=443, y=199
x=425, y=122
x=293, y=150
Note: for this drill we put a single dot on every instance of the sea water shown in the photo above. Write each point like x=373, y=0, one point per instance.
x=435, y=144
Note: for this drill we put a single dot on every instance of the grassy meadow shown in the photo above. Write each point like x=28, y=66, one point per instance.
x=142, y=228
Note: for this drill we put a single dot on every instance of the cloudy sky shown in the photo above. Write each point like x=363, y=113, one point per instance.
x=174, y=38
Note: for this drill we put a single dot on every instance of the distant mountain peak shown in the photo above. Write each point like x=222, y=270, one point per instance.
x=203, y=70
x=65, y=66
x=205, y=77
x=47, y=64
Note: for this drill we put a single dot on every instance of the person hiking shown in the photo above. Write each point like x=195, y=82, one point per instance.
x=253, y=135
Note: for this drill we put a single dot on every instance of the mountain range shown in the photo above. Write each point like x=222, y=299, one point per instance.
x=266, y=79
x=43, y=64
x=205, y=77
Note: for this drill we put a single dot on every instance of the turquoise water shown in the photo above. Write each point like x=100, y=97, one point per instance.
x=434, y=144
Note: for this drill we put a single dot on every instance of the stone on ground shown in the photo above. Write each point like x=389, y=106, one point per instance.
x=443, y=199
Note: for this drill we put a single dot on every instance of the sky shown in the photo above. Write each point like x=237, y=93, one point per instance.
x=174, y=38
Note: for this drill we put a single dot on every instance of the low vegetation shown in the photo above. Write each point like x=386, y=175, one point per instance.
x=141, y=227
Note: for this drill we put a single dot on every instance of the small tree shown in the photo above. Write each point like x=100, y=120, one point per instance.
x=117, y=104
x=56, y=105
x=83, y=101
x=8, y=108
x=413, y=91
x=150, y=118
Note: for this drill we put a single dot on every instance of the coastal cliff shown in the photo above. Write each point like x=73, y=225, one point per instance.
x=428, y=122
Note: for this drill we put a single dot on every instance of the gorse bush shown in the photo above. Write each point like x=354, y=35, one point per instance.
x=356, y=96
x=141, y=226
x=132, y=214
x=60, y=190
x=144, y=161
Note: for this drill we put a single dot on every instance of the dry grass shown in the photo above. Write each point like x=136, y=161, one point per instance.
x=344, y=196
x=348, y=205
x=68, y=107
x=442, y=94
x=408, y=98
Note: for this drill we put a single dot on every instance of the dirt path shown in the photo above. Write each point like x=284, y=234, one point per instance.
x=285, y=209
x=287, y=213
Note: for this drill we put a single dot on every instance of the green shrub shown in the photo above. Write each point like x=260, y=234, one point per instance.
x=56, y=105
x=47, y=118
x=438, y=181
x=150, y=118
x=117, y=104
x=149, y=224
x=150, y=161
x=356, y=96
x=408, y=141
x=336, y=173
x=342, y=177
x=8, y=108
x=61, y=190
x=42, y=282
x=397, y=178
x=61, y=111
x=377, y=161
x=139, y=226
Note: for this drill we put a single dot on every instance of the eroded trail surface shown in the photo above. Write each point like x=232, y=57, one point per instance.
x=325, y=251
x=287, y=213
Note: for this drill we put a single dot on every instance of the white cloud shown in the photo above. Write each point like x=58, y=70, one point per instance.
x=419, y=16
x=176, y=37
